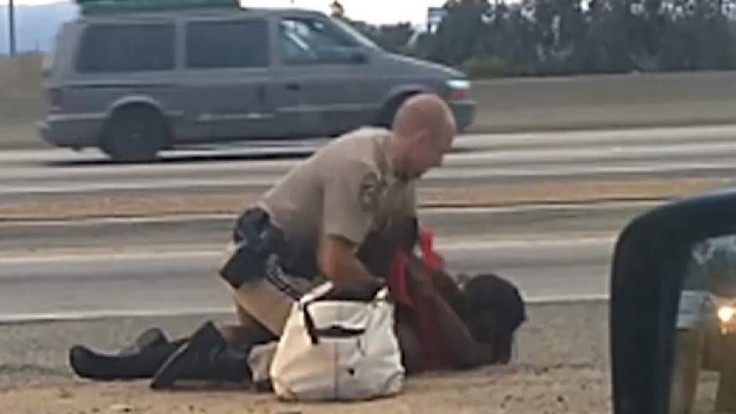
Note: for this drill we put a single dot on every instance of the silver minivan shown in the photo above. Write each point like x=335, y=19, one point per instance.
x=134, y=82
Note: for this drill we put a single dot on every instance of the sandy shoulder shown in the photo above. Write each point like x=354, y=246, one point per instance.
x=513, y=389
x=560, y=367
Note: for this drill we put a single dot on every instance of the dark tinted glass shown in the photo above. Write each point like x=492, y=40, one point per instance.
x=127, y=48
x=234, y=44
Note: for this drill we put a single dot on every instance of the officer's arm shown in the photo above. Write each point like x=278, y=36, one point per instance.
x=338, y=262
x=349, y=193
x=455, y=340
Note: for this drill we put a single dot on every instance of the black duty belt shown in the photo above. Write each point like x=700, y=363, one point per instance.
x=256, y=239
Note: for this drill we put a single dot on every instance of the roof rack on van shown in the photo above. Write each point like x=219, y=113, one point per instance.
x=118, y=6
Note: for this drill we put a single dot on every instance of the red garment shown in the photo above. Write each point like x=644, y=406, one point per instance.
x=433, y=260
x=421, y=314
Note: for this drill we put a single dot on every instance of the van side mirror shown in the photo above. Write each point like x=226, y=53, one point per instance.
x=659, y=299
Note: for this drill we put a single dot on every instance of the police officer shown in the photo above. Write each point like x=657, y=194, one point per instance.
x=309, y=228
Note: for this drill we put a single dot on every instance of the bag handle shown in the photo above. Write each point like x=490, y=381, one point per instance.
x=325, y=288
x=315, y=294
x=333, y=331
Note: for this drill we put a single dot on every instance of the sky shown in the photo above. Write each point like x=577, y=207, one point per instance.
x=374, y=11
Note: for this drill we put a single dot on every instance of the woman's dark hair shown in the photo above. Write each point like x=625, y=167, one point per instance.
x=494, y=310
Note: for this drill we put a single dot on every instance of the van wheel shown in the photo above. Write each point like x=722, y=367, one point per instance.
x=135, y=134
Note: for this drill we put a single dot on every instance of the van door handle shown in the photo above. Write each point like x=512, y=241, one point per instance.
x=292, y=86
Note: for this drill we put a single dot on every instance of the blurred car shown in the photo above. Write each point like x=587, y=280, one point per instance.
x=135, y=77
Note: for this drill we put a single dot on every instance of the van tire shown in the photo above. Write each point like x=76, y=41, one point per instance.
x=135, y=134
x=387, y=114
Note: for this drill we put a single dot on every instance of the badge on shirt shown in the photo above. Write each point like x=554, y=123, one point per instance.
x=370, y=192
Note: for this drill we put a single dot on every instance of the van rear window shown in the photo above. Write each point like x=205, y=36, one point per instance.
x=126, y=48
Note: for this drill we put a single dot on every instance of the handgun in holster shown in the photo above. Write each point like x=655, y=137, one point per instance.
x=255, y=239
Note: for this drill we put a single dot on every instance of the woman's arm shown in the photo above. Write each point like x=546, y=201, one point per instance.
x=455, y=340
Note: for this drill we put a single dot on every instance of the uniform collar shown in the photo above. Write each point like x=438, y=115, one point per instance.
x=386, y=158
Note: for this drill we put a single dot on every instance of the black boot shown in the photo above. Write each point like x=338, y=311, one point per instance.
x=147, y=339
x=144, y=364
x=206, y=356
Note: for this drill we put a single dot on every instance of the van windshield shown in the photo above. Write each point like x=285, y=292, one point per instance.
x=354, y=34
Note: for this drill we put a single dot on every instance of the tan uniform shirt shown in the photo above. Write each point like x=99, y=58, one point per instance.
x=347, y=188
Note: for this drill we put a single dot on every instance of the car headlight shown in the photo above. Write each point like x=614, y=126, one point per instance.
x=459, y=89
x=726, y=313
x=459, y=84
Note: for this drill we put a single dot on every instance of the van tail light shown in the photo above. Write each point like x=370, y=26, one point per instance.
x=54, y=97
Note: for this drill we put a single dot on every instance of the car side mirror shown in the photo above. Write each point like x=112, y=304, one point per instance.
x=703, y=377
x=666, y=277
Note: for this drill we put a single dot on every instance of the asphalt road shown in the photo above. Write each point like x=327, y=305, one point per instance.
x=477, y=160
x=213, y=230
x=42, y=286
x=163, y=268
x=168, y=265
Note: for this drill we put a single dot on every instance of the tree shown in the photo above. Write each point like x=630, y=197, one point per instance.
x=459, y=36
x=573, y=36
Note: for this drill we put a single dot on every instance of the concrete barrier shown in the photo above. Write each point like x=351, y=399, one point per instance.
x=21, y=101
x=504, y=105
x=606, y=101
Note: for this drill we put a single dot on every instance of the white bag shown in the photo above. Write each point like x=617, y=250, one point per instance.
x=338, y=350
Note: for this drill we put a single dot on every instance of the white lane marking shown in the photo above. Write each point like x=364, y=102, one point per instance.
x=533, y=208
x=424, y=211
x=599, y=154
x=581, y=137
x=174, y=312
x=102, y=314
x=437, y=175
x=541, y=300
x=266, y=167
x=443, y=246
x=662, y=134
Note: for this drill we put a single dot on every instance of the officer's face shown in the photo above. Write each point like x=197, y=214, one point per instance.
x=429, y=151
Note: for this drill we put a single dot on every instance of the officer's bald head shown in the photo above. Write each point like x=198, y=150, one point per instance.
x=424, y=127
x=424, y=112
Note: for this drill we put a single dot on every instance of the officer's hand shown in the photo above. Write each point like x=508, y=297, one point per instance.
x=362, y=294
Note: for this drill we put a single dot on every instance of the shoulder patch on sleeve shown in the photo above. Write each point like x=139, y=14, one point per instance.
x=370, y=191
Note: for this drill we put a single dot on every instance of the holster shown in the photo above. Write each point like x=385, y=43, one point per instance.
x=256, y=239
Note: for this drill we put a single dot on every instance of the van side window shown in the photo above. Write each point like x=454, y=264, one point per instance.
x=227, y=44
x=126, y=48
x=307, y=40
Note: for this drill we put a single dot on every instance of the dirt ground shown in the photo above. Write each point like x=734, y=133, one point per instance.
x=513, y=389
x=560, y=366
